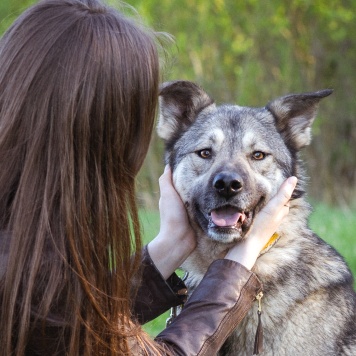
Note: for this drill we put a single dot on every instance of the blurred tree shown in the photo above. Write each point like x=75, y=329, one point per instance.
x=9, y=10
x=249, y=52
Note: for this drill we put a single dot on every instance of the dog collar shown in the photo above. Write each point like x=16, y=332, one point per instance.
x=271, y=242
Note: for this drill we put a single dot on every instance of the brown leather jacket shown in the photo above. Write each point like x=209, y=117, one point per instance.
x=215, y=308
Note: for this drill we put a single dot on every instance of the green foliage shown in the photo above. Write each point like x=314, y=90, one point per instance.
x=338, y=228
x=155, y=326
x=9, y=10
x=249, y=52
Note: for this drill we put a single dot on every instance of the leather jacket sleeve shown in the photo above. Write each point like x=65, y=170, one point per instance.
x=216, y=307
x=155, y=295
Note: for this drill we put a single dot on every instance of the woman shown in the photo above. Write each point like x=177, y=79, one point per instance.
x=78, y=96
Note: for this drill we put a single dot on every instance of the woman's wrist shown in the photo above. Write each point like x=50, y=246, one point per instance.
x=168, y=254
x=245, y=253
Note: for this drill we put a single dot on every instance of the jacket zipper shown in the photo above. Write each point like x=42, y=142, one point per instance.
x=259, y=297
x=259, y=332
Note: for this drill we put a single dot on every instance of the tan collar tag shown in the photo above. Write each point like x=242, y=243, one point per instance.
x=271, y=242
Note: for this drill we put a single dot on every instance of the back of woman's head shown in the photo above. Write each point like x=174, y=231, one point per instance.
x=78, y=94
x=82, y=60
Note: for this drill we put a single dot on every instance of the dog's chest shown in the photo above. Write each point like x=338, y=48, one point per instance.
x=199, y=261
x=242, y=340
x=275, y=304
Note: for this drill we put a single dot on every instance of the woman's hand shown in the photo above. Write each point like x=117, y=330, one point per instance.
x=264, y=226
x=176, y=238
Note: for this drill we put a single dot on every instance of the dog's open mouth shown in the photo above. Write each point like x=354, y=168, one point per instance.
x=227, y=217
x=227, y=223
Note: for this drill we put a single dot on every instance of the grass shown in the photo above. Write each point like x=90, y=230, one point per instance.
x=150, y=226
x=336, y=226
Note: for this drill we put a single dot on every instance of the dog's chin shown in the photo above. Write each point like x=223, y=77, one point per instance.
x=229, y=234
x=225, y=235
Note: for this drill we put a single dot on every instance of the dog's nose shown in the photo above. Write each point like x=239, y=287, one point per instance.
x=227, y=184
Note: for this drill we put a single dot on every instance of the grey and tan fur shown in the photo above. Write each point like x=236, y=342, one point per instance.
x=227, y=162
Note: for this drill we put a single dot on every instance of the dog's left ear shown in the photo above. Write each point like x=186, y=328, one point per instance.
x=180, y=103
x=294, y=115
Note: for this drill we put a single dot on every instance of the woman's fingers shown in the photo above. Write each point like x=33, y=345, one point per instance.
x=170, y=203
x=264, y=226
x=286, y=190
x=176, y=238
x=278, y=206
x=165, y=182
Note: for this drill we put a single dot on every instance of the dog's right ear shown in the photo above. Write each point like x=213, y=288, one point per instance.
x=294, y=115
x=180, y=103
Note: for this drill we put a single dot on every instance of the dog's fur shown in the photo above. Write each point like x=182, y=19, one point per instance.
x=229, y=161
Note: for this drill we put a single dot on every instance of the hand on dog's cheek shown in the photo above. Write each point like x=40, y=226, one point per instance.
x=264, y=226
x=176, y=238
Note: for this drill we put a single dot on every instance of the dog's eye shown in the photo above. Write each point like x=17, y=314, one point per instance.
x=205, y=153
x=258, y=155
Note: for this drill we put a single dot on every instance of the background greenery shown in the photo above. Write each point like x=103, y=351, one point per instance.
x=249, y=52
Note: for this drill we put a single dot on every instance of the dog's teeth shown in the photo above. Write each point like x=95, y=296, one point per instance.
x=242, y=218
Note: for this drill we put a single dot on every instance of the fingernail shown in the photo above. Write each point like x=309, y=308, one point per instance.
x=292, y=181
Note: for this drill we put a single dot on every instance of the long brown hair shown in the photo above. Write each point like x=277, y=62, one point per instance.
x=78, y=94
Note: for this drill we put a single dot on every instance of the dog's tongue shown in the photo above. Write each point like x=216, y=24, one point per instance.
x=227, y=217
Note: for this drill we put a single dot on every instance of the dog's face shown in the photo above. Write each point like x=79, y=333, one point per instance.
x=228, y=161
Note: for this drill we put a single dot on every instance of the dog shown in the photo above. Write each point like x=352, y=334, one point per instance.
x=227, y=163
